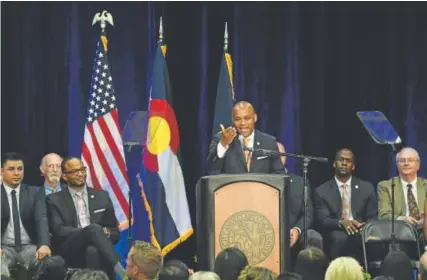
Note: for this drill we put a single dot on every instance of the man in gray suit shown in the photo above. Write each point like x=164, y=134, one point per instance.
x=228, y=153
x=83, y=223
x=24, y=225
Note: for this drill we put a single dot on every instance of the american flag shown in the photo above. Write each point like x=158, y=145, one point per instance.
x=102, y=150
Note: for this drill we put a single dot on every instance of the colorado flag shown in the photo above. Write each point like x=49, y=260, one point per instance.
x=162, y=182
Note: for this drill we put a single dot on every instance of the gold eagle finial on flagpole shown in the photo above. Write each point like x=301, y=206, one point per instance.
x=103, y=18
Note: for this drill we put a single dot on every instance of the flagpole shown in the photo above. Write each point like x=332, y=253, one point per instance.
x=226, y=38
x=104, y=18
x=161, y=31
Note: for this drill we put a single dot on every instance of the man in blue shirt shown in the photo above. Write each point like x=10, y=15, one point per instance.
x=51, y=170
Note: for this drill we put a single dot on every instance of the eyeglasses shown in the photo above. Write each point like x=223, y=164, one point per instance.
x=409, y=160
x=75, y=171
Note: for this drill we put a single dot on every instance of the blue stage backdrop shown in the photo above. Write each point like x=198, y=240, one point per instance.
x=306, y=67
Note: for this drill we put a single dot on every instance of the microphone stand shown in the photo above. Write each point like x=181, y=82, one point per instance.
x=306, y=161
x=393, y=185
x=130, y=236
x=130, y=220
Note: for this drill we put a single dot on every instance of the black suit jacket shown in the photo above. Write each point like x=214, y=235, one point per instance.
x=295, y=200
x=234, y=161
x=364, y=205
x=32, y=209
x=63, y=218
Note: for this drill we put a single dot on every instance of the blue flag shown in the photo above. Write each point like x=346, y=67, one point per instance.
x=225, y=95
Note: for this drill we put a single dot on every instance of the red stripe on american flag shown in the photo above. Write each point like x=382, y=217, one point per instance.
x=88, y=158
x=114, y=149
x=107, y=170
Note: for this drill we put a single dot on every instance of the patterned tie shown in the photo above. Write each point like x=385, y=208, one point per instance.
x=53, y=189
x=81, y=211
x=248, y=157
x=345, y=202
x=412, y=204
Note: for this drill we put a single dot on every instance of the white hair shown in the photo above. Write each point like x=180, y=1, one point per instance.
x=344, y=268
x=407, y=149
x=204, y=275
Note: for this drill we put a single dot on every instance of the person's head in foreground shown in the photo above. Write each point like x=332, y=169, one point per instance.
x=311, y=264
x=422, y=269
x=229, y=263
x=289, y=276
x=204, y=275
x=397, y=265
x=344, y=268
x=174, y=270
x=144, y=261
x=89, y=274
x=256, y=273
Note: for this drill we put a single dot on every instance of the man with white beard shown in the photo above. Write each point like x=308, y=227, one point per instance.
x=51, y=170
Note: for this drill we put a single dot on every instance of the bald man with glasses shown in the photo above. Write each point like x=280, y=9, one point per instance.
x=410, y=190
x=50, y=167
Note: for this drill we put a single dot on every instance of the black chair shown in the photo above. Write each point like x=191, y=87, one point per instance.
x=378, y=234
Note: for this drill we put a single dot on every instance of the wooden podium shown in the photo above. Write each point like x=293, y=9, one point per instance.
x=247, y=211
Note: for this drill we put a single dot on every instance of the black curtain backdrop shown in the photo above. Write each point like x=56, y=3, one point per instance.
x=306, y=67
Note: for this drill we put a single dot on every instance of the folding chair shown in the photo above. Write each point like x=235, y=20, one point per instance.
x=379, y=232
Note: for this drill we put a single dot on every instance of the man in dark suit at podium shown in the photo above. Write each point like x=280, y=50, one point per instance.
x=343, y=205
x=228, y=156
x=227, y=153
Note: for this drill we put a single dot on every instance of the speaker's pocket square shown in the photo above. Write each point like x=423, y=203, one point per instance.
x=99, y=210
x=263, y=157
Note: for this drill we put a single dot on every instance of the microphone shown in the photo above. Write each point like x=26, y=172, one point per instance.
x=276, y=153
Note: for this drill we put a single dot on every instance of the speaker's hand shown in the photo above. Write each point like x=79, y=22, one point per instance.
x=294, y=236
x=227, y=135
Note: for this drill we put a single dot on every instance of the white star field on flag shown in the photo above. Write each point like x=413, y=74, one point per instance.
x=102, y=99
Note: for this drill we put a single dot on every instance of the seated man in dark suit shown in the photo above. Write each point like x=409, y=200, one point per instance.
x=343, y=205
x=227, y=154
x=24, y=224
x=83, y=223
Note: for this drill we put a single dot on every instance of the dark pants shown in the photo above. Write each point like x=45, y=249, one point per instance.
x=339, y=244
x=90, y=248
